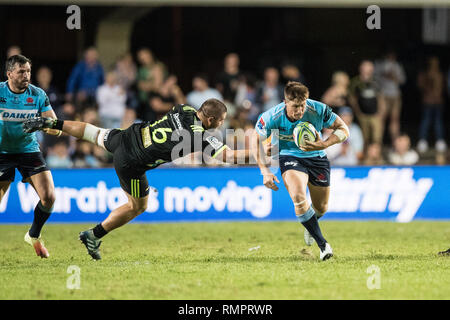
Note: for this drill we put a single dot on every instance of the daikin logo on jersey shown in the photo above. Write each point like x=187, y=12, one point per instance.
x=399, y=194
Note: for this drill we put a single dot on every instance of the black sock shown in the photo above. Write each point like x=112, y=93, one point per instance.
x=312, y=225
x=99, y=231
x=41, y=215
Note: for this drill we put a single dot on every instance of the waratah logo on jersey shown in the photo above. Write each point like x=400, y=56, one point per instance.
x=17, y=115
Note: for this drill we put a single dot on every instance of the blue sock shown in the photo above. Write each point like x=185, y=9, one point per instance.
x=41, y=215
x=309, y=221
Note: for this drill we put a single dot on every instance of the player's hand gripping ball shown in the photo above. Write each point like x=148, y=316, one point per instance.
x=304, y=131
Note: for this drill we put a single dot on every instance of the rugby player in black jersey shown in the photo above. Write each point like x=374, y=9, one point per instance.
x=144, y=146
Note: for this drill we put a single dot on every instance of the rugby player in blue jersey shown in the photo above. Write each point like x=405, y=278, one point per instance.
x=305, y=167
x=21, y=101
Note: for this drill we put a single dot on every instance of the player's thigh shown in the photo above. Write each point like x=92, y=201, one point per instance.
x=43, y=184
x=138, y=205
x=133, y=179
x=4, y=185
x=296, y=182
x=319, y=197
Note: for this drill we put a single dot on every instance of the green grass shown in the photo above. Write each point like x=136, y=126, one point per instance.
x=213, y=261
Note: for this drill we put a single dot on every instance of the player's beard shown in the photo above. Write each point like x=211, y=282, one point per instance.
x=21, y=85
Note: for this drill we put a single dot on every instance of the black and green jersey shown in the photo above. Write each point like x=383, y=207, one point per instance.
x=177, y=134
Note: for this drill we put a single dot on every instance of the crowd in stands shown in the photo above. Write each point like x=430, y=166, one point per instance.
x=143, y=89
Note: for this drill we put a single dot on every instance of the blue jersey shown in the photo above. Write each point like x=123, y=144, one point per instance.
x=317, y=113
x=15, y=108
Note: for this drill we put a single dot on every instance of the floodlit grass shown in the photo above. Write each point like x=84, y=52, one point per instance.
x=216, y=261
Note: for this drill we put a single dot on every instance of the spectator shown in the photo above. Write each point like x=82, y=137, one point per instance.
x=228, y=80
x=201, y=91
x=270, y=92
x=290, y=72
x=111, y=99
x=170, y=91
x=402, y=155
x=58, y=156
x=11, y=51
x=351, y=151
x=366, y=102
x=44, y=78
x=126, y=71
x=390, y=75
x=83, y=158
x=151, y=74
x=156, y=108
x=431, y=84
x=337, y=95
x=374, y=156
x=85, y=78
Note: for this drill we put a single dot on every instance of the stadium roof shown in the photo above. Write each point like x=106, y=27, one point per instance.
x=247, y=3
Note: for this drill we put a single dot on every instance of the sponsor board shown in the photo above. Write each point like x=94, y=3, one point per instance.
x=200, y=194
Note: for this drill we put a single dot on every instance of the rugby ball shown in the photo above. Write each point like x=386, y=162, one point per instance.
x=304, y=131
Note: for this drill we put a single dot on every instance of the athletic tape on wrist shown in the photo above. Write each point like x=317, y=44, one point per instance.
x=341, y=134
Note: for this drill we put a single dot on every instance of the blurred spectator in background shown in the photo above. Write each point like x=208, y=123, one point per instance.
x=90, y=115
x=374, y=156
x=366, y=102
x=270, y=92
x=111, y=99
x=201, y=91
x=351, y=151
x=390, y=75
x=58, y=155
x=126, y=71
x=170, y=91
x=155, y=108
x=228, y=80
x=246, y=95
x=83, y=158
x=11, y=51
x=290, y=72
x=337, y=95
x=44, y=78
x=151, y=74
x=67, y=111
x=401, y=154
x=431, y=84
x=85, y=78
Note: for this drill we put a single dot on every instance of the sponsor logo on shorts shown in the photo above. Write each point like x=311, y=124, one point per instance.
x=321, y=178
x=291, y=163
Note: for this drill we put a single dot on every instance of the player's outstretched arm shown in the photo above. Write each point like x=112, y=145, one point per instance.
x=340, y=134
x=258, y=154
x=77, y=129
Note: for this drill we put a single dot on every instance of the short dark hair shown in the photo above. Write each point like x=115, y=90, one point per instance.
x=19, y=59
x=213, y=108
x=295, y=91
x=202, y=76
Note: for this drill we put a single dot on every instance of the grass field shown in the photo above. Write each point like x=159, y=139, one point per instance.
x=214, y=261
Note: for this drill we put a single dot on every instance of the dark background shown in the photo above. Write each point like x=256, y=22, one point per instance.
x=195, y=39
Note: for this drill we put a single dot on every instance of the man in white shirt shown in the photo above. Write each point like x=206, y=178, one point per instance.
x=111, y=99
x=202, y=91
x=390, y=75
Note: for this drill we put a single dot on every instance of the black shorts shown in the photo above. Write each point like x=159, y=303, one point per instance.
x=132, y=177
x=317, y=168
x=28, y=165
